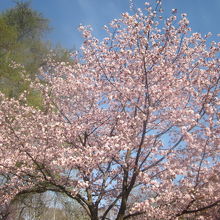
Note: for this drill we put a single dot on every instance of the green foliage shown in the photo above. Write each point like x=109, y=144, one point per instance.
x=29, y=24
x=8, y=36
x=21, y=31
x=12, y=78
x=34, y=98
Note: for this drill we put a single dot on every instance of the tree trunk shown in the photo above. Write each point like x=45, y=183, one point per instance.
x=121, y=212
x=94, y=213
x=94, y=217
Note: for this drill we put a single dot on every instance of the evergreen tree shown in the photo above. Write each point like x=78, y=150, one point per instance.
x=23, y=50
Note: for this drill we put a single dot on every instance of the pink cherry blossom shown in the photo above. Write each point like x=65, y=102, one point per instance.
x=136, y=111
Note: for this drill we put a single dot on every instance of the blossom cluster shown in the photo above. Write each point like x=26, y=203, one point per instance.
x=138, y=110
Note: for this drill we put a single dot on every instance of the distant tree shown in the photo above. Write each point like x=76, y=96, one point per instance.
x=71, y=208
x=8, y=36
x=27, y=206
x=29, y=23
x=10, y=75
x=30, y=26
x=23, y=50
x=44, y=206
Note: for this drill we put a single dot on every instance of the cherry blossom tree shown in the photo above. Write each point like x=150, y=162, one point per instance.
x=137, y=112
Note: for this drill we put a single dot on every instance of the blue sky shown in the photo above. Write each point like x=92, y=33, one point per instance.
x=66, y=15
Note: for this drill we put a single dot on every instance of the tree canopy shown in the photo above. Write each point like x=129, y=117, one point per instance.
x=137, y=112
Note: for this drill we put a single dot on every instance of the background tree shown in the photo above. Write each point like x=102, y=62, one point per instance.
x=22, y=49
x=31, y=27
x=44, y=206
x=22, y=32
x=7, y=45
x=139, y=110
